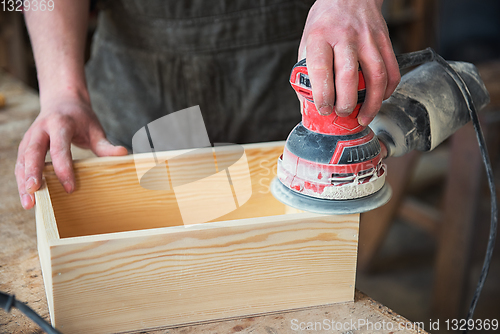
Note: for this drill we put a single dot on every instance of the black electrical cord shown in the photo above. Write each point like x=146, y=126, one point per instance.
x=7, y=302
x=428, y=55
x=489, y=175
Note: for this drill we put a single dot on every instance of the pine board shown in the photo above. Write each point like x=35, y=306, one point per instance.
x=116, y=257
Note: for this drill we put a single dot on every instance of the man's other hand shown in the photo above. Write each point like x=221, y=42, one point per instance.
x=60, y=123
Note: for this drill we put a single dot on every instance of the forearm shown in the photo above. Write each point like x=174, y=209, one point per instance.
x=58, y=40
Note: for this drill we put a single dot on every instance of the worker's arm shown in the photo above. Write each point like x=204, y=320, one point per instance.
x=58, y=39
x=337, y=36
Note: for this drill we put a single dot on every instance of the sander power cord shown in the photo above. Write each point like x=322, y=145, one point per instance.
x=428, y=55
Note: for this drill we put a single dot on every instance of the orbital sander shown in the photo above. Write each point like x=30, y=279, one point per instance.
x=333, y=165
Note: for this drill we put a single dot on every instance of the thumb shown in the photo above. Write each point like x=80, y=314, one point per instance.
x=102, y=147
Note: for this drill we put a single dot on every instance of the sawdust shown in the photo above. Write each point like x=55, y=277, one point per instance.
x=350, y=191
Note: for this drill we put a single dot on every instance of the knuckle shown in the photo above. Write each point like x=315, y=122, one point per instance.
x=32, y=167
x=319, y=62
x=369, y=112
x=34, y=149
x=346, y=78
x=374, y=107
x=380, y=33
x=348, y=33
x=22, y=146
x=57, y=152
x=64, y=176
x=379, y=75
x=58, y=148
x=321, y=99
x=349, y=67
x=65, y=132
x=372, y=111
x=19, y=169
x=40, y=123
x=63, y=168
x=345, y=107
x=394, y=80
x=318, y=32
x=61, y=121
x=20, y=189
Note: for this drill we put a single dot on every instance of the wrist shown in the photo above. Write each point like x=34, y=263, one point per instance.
x=64, y=89
x=67, y=102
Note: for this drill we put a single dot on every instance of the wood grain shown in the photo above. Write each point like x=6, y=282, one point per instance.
x=47, y=234
x=121, y=259
x=218, y=270
x=108, y=197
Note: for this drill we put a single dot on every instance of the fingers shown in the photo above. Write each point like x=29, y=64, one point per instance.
x=391, y=65
x=101, y=146
x=104, y=148
x=350, y=32
x=34, y=160
x=27, y=200
x=380, y=70
x=29, y=165
x=60, y=152
x=346, y=79
x=375, y=74
x=320, y=70
x=56, y=129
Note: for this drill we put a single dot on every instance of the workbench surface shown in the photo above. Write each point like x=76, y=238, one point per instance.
x=20, y=272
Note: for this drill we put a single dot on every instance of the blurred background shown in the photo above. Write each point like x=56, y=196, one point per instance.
x=421, y=254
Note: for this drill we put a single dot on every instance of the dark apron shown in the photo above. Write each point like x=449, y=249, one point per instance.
x=231, y=57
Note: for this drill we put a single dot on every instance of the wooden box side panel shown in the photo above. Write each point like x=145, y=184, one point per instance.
x=46, y=232
x=194, y=275
x=108, y=197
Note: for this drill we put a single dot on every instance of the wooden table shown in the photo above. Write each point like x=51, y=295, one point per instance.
x=20, y=272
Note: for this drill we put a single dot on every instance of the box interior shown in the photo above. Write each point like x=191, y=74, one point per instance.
x=109, y=198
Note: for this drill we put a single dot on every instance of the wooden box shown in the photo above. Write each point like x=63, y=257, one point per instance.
x=117, y=257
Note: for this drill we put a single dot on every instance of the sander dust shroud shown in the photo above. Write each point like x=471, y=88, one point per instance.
x=333, y=165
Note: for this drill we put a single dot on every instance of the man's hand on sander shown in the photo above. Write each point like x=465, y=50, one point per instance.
x=337, y=36
x=61, y=122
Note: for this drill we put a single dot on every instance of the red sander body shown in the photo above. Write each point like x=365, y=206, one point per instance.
x=333, y=165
